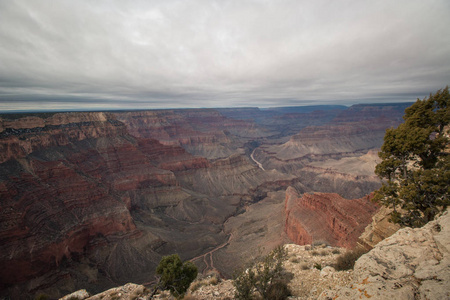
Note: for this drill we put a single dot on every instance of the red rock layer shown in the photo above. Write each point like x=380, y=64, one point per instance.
x=70, y=178
x=326, y=217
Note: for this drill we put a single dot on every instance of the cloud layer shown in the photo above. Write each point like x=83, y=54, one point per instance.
x=153, y=54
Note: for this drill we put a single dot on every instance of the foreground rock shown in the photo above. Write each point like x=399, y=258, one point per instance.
x=379, y=229
x=411, y=264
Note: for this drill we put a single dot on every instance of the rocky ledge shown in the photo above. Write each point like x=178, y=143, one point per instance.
x=411, y=264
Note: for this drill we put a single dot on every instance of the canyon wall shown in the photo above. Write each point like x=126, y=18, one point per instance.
x=326, y=218
x=73, y=182
x=94, y=199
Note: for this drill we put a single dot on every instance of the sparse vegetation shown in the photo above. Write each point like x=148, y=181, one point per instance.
x=263, y=277
x=212, y=279
x=415, y=164
x=304, y=266
x=294, y=260
x=336, y=251
x=346, y=261
x=278, y=290
x=318, y=266
x=323, y=253
x=42, y=297
x=315, y=253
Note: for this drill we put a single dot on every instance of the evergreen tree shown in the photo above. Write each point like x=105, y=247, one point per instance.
x=415, y=162
x=175, y=275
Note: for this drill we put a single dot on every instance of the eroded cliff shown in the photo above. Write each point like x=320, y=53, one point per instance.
x=326, y=218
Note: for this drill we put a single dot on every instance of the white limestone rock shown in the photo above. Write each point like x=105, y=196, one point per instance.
x=411, y=264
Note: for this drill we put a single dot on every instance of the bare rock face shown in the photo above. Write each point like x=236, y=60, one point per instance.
x=379, y=229
x=328, y=218
x=411, y=264
x=69, y=184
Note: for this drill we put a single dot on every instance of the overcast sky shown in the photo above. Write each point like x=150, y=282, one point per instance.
x=71, y=54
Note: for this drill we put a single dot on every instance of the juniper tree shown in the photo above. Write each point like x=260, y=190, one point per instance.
x=415, y=165
x=176, y=276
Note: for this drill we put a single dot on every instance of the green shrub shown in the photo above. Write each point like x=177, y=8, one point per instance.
x=318, y=266
x=244, y=283
x=347, y=260
x=175, y=275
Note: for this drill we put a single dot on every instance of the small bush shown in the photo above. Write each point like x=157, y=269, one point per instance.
x=347, y=260
x=318, y=266
x=304, y=266
x=294, y=260
x=278, y=290
x=244, y=284
x=336, y=251
x=213, y=280
x=259, y=277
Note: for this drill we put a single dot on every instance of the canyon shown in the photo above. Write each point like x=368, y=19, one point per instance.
x=95, y=199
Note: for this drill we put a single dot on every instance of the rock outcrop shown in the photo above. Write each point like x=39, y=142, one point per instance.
x=379, y=229
x=326, y=218
x=410, y=264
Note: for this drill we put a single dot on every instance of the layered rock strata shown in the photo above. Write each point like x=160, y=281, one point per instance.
x=69, y=184
x=326, y=218
x=379, y=229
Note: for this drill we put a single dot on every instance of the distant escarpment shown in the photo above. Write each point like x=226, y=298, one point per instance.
x=327, y=218
x=73, y=182
x=337, y=154
x=203, y=132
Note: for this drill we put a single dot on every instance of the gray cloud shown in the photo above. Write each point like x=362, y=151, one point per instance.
x=154, y=54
